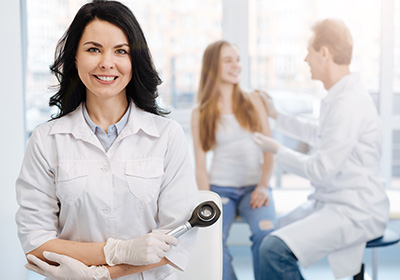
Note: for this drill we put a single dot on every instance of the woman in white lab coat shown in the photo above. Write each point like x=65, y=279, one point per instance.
x=104, y=180
x=349, y=206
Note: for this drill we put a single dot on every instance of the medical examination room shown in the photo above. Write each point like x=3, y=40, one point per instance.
x=200, y=139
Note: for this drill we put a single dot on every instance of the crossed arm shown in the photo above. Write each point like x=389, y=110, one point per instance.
x=88, y=254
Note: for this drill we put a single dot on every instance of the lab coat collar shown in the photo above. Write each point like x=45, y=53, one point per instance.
x=340, y=85
x=75, y=124
x=140, y=120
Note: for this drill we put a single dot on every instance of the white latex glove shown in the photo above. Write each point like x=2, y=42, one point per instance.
x=267, y=144
x=69, y=268
x=272, y=112
x=143, y=250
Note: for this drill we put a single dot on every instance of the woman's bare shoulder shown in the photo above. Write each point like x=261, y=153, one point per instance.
x=195, y=114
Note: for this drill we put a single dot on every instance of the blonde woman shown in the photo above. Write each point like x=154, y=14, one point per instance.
x=223, y=122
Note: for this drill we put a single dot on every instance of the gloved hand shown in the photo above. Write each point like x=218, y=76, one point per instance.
x=69, y=268
x=272, y=112
x=143, y=250
x=267, y=144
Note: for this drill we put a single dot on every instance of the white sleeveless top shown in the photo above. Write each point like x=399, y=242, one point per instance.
x=237, y=160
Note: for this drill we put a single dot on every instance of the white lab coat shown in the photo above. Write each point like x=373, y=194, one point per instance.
x=349, y=205
x=70, y=188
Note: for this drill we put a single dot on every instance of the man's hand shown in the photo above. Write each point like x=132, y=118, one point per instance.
x=146, y=249
x=272, y=112
x=69, y=268
x=267, y=144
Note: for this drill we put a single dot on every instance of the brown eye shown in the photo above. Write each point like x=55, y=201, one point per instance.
x=121, y=51
x=93, y=50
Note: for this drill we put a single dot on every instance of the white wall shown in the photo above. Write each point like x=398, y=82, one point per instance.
x=12, y=144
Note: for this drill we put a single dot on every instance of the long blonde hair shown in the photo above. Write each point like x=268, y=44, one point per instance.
x=208, y=96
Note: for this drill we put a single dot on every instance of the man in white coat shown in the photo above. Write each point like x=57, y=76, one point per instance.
x=349, y=206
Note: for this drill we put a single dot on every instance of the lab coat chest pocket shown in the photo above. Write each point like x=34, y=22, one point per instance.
x=144, y=178
x=71, y=181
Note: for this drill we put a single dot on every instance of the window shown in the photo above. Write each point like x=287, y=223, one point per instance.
x=46, y=23
x=396, y=61
x=395, y=99
x=279, y=34
x=396, y=159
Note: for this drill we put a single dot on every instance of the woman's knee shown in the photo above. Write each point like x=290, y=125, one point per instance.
x=257, y=237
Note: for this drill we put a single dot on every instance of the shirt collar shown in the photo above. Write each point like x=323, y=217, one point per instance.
x=119, y=125
x=340, y=85
x=141, y=120
x=137, y=119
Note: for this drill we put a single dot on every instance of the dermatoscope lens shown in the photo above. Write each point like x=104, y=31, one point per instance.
x=206, y=213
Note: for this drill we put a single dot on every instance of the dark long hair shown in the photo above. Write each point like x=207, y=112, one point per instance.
x=142, y=88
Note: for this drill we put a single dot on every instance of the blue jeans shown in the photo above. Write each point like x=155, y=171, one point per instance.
x=261, y=221
x=277, y=261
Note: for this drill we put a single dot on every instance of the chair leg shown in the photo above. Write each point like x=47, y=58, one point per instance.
x=360, y=275
x=375, y=263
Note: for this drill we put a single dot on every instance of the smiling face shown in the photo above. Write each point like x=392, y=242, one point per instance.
x=103, y=60
x=315, y=60
x=230, y=66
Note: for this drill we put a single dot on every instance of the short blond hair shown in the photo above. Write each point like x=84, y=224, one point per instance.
x=334, y=35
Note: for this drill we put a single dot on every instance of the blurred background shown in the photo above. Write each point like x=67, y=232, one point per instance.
x=272, y=37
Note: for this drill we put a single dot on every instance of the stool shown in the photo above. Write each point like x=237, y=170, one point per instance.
x=389, y=238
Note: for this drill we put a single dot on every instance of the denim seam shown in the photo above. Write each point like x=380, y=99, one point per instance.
x=282, y=267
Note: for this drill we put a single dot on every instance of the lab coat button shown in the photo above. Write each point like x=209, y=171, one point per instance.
x=104, y=169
